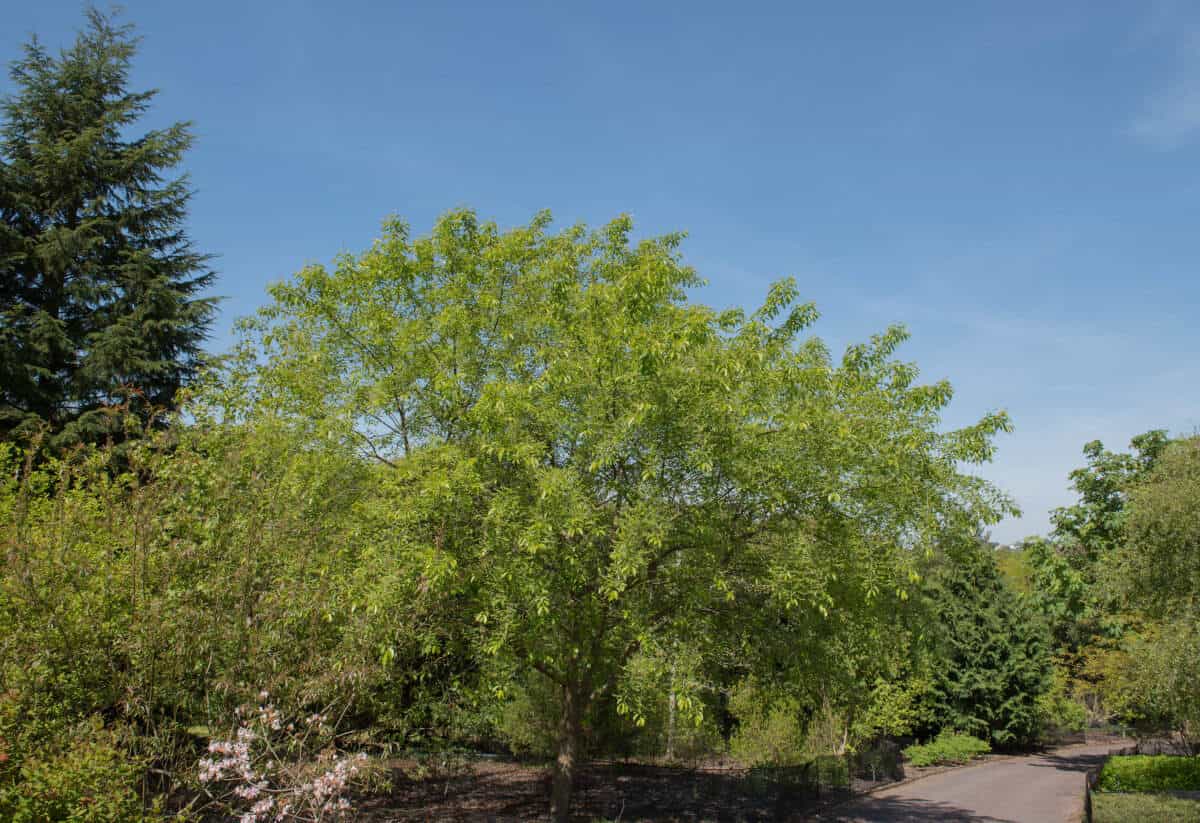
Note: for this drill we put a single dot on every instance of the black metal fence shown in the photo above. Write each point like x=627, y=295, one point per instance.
x=618, y=790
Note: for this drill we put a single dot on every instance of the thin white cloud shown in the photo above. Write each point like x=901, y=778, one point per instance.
x=1171, y=116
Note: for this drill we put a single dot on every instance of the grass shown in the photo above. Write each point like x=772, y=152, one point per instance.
x=1143, y=773
x=1143, y=808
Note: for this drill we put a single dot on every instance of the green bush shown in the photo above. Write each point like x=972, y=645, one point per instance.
x=947, y=747
x=527, y=721
x=91, y=779
x=832, y=770
x=769, y=732
x=1144, y=773
x=1058, y=711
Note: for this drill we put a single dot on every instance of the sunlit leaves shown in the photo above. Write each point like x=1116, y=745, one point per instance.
x=614, y=483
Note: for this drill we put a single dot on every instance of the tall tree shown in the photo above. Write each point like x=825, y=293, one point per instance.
x=1092, y=527
x=1157, y=568
x=1153, y=678
x=993, y=651
x=609, y=477
x=99, y=284
x=1067, y=569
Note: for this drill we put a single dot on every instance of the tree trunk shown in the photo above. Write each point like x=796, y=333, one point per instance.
x=570, y=734
x=671, y=701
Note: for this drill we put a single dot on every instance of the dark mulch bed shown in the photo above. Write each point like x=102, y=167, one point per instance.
x=500, y=791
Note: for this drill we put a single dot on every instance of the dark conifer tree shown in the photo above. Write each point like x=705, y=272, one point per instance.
x=100, y=288
x=993, y=651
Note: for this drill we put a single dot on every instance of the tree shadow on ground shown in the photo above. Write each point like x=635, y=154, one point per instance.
x=896, y=809
x=1069, y=763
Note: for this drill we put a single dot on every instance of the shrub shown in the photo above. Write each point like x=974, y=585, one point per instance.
x=1142, y=773
x=768, y=733
x=89, y=779
x=1157, y=684
x=279, y=768
x=832, y=770
x=1058, y=712
x=527, y=720
x=817, y=773
x=442, y=764
x=896, y=707
x=947, y=747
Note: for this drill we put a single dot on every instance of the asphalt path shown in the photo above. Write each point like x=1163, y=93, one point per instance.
x=1045, y=788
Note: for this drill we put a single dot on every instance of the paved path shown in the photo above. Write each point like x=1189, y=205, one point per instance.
x=1044, y=788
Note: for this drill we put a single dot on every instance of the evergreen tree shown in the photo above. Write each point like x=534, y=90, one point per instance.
x=994, y=655
x=99, y=283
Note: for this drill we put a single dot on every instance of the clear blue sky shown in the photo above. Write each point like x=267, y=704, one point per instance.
x=1017, y=182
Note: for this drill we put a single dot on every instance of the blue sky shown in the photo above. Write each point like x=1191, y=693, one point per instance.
x=1016, y=182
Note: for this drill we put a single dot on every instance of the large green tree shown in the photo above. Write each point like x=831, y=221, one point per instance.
x=1157, y=568
x=1068, y=569
x=99, y=285
x=612, y=482
x=1154, y=574
x=1092, y=527
x=1117, y=563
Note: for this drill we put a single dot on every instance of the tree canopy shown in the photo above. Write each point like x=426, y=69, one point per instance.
x=1157, y=567
x=511, y=490
x=604, y=470
x=99, y=285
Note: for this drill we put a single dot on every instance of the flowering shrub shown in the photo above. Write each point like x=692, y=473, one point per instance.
x=273, y=769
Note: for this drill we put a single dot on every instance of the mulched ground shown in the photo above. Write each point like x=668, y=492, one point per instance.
x=500, y=791
x=503, y=791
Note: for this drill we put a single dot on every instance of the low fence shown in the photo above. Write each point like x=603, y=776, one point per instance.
x=1093, y=776
x=645, y=791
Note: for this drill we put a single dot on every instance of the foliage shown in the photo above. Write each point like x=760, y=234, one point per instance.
x=529, y=718
x=992, y=651
x=99, y=283
x=1153, y=680
x=1061, y=593
x=1070, y=568
x=770, y=732
x=162, y=593
x=1015, y=568
x=947, y=747
x=445, y=763
x=597, y=470
x=279, y=767
x=1103, y=682
x=1157, y=569
x=898, y=706
x=1144, y=808
x=1058, y=711
x=1143, y=668
x=1093, y=527
x=84, y=774
x=865, y=673
x=1144, y=773
x=778, y=729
